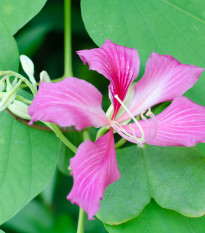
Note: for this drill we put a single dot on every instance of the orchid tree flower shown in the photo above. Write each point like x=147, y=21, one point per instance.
x=76, y=102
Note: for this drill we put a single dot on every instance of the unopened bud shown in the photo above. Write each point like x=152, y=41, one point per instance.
x=7, y=99
x=44, y=77
x=9, y=96
x=19, y=109
x=28, y=67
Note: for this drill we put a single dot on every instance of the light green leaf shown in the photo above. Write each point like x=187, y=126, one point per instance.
x=175, y=27
x=26, y=164
x=9, y=55
x=15, y=14
x=156, y=219
x=2, y=231
x=173, y=176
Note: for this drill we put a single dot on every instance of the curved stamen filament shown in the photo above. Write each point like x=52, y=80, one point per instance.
x=155, y=125
x=152, y=116
x=147, y=124
x=125, y=134
x=134, y=119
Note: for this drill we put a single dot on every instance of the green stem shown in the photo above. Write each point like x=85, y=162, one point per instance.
x=12, y=73
x=120, y=143
x=102, y=131
x=61, y=136
x=81, y=221
x=67, y=40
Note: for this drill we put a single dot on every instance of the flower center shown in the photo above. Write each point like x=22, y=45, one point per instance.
x=132, y=137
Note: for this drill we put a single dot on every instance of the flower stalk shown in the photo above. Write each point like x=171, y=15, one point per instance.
x=81, y=221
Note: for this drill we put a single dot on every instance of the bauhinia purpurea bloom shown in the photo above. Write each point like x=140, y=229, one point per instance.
x=78, y=103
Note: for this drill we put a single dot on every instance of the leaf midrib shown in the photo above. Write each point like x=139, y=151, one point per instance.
x=183, y=11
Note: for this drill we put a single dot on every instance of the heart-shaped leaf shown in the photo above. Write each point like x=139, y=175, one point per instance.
x=26, y=164
x=156, y=219
x=173, y=176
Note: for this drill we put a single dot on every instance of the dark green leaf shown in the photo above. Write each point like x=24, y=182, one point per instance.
x=15, y=14
x=26, y=164
x=173, y=176
x=155, y=219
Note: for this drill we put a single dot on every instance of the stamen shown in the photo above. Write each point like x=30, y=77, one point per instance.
x=155, y=126
x=152, y=116
x=134, y=119
x=148, y=127
x=132, y=137
x=125, y=134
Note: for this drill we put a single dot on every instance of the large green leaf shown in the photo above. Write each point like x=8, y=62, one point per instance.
x=15, y=14
x=173, y=176
x=9, y=56
x=175, y=27
x=155, y=219
x=28, y=159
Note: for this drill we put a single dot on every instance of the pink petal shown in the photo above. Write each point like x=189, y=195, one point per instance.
x=117, y=63
x=181, y=124
x=94, y=167
x=69, y=102
x=165, y=78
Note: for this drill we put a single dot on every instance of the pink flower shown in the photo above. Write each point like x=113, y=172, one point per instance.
x=76, y=102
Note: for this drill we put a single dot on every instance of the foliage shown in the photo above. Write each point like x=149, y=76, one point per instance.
x=159, y=188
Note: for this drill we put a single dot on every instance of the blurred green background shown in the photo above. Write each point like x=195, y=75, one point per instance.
x=42, y=39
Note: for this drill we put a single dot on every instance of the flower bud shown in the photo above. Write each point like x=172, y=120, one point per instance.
x=9, y=96
x=28, y=67
x=19, y=109
x=44, y=77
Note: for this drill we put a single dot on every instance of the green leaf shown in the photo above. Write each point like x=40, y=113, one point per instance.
x=156, y=219
x=126, y=198
x=173, y=176
x=26, y=164
x=9, y=56
x=201, y=148
x=175, y=27
x=15, y=14
x=2, y=231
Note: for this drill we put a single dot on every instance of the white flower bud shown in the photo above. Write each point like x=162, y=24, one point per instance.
x=9, y=96
x=7, y=99
x=28, y=67
x=19, y=109
x=44, y=77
